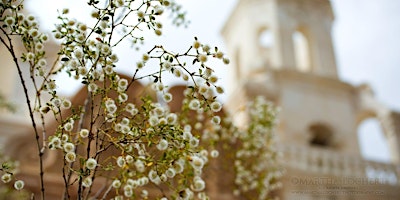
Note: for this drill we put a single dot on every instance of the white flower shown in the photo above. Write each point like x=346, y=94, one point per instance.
x=162, y=145
x=158, y=32
x=220, y=90
x=92, y=87
x=226, y=60
x=196, y=44
x=42, y=62
x=139, y=166
x=122, y=84
x=216, y=120
x=114, y=58
x=68, y=126
x=203, y=89
x=120, y=161
x=214, y=153
x=87, y=182
x=185, y=77
x=153, y=121
x=194, y=142
x=78, y=53
x=139, y=65
x=145, y=194
x=105, y=48
x=116, y=183
x=133, y=183
x=125, y=121
x=194, y=104
x=44, y=37
x=177, y=72
x=9, y=21
x=64, y=138
x=108, y=69
x=143, y=181
x=118, y=3
x=129, y=159
x=219, y=54
x=122, y=97
x=140, y=14
x=130, y=107
x=84, y=133
x=19, y=184
x=206, y=48
x=69, y=147
x=158, y=10
x=216, y=106
x=55, y=143
x=66, y=104
x=128, y=191
x=82, y=70
x=51, y=85
x=171, y=118
x=187, y=135
x=213, y=79
x=6, y=178
x=145, y=57
x=197, y=162
x=170, y=173
x=198, y=184
x=34, y=33
x=31, y=18
x=70, y=157
x=167, y=97
x=109, y=102
x=202, y=58
x=111, y=108
x=179, y=166
x=153, y=176
x=56, y=102
x=82, y=27
x=91, y=163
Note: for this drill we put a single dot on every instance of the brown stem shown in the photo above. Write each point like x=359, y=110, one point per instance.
x=28, y=102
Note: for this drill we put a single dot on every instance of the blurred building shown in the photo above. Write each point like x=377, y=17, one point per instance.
x=282, y=49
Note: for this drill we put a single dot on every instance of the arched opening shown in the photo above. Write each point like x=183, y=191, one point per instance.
x=373, y=144
x=266, y=43
x=302, y=54
x=320, y=135
x=266, y=39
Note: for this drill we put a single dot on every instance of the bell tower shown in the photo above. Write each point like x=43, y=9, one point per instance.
x=282, y=50
x=281, y=34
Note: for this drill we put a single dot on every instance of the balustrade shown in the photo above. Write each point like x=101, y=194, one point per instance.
x=330, y=162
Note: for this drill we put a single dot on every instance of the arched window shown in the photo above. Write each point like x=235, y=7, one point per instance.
x=372, y=141
x=320, y=135
x=266, y=38
x=266, y=43
x=302, y=54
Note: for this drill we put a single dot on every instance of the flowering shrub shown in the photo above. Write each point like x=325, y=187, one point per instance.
x=136, y=148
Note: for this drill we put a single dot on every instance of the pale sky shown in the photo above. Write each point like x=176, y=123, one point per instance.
x=365, y=35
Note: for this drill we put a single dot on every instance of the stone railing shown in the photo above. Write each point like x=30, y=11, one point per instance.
x=328, y=162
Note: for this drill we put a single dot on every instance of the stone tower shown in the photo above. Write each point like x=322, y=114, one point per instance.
x=282, y=49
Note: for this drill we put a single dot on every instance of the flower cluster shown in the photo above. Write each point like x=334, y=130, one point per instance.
x=256, y=160
x=9, y=169
x=124, y=141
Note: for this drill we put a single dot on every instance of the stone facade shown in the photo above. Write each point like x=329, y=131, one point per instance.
x=296, y=69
